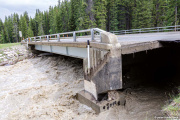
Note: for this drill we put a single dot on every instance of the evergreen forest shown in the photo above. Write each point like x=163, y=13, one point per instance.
x=72, y=15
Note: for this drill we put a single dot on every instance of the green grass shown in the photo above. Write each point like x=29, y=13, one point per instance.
x=2, y=46
x=173, y=109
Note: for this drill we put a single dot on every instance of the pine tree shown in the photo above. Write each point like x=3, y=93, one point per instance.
x=52, y=20
x=112, y=19
x=100, y=13
x=170, y=16
x=46, y=22
x=178, y=12
x=160, y=9
x=1, y=32
x=8, y=25
x=24, y=27
x=30, y=32
x=1, y=25
x=142, y=14
x=90, y=13
x=16, y=27
x=74, y=12
x=36, y=22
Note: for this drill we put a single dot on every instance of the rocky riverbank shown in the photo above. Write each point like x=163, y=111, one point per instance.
x=11, y=55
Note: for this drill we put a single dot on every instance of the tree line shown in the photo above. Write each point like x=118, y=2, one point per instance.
x=110, y=15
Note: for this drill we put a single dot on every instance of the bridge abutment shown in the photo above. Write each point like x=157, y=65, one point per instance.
x=105, y=72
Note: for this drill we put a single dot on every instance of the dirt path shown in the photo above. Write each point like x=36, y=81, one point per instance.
x=44, y=88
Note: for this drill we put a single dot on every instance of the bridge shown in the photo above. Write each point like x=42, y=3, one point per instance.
x=102, y=53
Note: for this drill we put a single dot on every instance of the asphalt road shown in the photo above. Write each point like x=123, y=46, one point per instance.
x=148, y=37
x=133, y=38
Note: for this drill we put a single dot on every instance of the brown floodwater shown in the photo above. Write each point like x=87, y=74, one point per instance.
x=44, y=88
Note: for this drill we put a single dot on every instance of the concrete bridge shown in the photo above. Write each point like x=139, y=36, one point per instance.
x=102, y=53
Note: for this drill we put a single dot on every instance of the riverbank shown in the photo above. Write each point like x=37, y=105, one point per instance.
x=12, y=53
x=2, y=46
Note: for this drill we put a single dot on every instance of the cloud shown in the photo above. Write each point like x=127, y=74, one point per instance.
x=8, y=7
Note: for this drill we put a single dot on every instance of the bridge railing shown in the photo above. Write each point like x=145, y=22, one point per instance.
x=93, y=34
x=148, y=30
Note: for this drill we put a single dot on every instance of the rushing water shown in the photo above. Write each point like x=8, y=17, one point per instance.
x=44, y=88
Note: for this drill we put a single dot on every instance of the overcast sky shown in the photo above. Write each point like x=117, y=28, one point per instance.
x=8, y=7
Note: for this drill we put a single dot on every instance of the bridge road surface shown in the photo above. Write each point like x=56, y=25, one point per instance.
x=130, y=43
x=148, y=37
x=134, y=38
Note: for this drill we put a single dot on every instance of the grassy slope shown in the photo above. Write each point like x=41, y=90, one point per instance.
x=173, y=109
x=8, y=45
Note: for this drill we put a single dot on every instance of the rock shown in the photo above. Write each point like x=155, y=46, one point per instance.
x=3, y=63
x=20, y=54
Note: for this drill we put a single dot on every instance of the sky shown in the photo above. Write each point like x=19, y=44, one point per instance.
x=8, y=7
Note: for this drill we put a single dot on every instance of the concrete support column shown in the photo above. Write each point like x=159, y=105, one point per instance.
x=105, y=67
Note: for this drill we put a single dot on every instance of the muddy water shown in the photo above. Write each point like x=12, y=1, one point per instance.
x=45, y=88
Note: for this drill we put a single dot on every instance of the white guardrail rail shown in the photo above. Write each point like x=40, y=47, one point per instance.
x=93, y=34
x=148, y=30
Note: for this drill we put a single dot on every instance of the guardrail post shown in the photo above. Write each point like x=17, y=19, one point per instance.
x=27, y=42
x=74, y=36
x=92, y=34
x=40, y=39
x=88, y=44
x=35, y=39
x=100, y=37
x=30, y=40
x=58, y=37
x=47, y=38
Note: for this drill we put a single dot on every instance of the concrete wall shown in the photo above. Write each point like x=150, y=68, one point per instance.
x=67, y=51
x=105, y=72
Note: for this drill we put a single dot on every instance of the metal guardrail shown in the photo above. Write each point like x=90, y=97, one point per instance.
x=95, y=33
x=148, y=30
x=88, y=33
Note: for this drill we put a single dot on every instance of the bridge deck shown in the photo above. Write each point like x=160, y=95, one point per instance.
x=132, y=43
x=148, y=37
